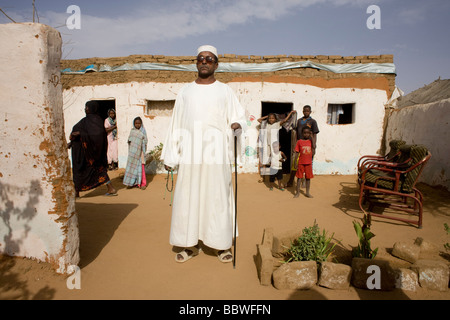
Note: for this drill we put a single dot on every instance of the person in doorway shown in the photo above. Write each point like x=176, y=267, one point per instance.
x=273, y=126
x=304, y=152
x=268, y=136
x=305, y=121
x=89, y=147
x=111, y=131
x=200, y=144
x=276, y=172
x=137, y=146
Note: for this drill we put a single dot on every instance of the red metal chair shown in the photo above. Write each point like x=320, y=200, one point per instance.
x=391, y=156
x=393, y=186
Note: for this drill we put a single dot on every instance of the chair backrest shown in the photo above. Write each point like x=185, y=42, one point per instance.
x=405, y=155
x=419, y=157
x=395, y=148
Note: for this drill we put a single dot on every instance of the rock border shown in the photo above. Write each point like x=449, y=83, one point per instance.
x=408, y=266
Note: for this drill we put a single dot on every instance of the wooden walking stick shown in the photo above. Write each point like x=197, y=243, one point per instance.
x=235, y=200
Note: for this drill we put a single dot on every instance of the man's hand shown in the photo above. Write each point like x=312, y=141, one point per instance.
x=237, y=130
x=235, y=126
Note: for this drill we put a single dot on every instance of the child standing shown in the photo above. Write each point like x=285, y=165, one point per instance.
x=304, y=152
x=111, y=131
x=137, y=146
x=276, y=160
x=305, y=121
x=273, y=126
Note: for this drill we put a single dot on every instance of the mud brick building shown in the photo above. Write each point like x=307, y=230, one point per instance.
x=347, y=95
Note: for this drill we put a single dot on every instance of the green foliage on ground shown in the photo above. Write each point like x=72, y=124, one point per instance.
x=364, y=250
x=154, y=155
x=312, y=245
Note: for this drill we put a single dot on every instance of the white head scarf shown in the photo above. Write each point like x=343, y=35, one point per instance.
x=209, y=48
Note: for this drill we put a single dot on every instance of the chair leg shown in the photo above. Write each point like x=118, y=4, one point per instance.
x=362, y=198
x=365, y=196
x=415, y=208
x=419, y=202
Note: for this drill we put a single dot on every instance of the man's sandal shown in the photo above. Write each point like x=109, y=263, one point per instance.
x=223, y=254
x=185, y=256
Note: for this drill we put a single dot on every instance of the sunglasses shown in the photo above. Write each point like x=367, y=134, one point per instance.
x=208, y=59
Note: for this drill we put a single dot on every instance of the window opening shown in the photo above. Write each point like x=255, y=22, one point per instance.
x=340, y=113
x=159, y=107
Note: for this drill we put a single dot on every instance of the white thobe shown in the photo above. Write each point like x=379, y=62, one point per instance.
x=200, y=145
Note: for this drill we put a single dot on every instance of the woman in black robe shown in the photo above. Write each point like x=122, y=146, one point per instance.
x=89, y=152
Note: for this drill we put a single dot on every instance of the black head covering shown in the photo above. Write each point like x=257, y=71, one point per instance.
x=92, y=107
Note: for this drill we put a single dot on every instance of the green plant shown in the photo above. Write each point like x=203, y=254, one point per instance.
x=447, y=229
x=312, y=245
x=364, y=235
x=154, y=154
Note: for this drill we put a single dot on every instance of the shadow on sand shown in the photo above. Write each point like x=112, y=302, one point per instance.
x=13, y=286
x=97, y=225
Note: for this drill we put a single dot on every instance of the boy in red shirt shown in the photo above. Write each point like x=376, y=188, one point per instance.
x=304, y=152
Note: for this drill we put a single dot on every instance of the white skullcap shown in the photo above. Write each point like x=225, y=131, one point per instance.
x=207, y=48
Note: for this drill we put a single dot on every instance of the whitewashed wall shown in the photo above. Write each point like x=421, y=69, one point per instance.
x=426, y=124
x=37, y=203
x=339, y=146
x=131, y=99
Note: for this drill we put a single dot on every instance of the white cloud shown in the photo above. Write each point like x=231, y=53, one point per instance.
x=171, y=20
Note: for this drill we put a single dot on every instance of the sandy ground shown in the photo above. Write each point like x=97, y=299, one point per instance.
x=125, y=253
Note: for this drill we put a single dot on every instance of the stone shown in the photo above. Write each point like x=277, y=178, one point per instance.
x=282, y=242
x=433, y=274
x=406, y=279
x=277, y=262
x=268, y=238
x=406, y=251
x=396, y=263
x=264, y=265
x=298, y=275
x=426, y=247
x=372, y=274
x=335, y=275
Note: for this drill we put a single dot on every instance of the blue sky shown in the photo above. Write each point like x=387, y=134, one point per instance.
x=415, y=32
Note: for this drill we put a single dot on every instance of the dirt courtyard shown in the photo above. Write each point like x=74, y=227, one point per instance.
x=125, y=251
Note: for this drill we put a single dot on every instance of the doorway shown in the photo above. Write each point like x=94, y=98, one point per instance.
x=104, y=106
x=281, y=108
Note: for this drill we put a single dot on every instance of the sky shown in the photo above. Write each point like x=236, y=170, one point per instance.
x=414, y=31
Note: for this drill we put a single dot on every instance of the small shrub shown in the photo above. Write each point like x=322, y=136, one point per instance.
x=312, y=245
x=153, y=161
x=364, y=235
x=154, y=154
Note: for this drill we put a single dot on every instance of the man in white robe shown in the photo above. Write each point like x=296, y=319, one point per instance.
x=200, y=144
